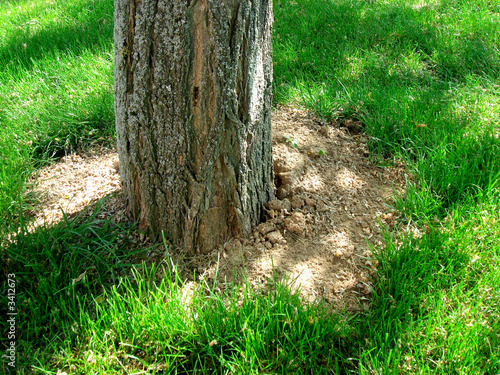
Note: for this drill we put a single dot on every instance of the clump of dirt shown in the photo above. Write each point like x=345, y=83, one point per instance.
x=331, y=200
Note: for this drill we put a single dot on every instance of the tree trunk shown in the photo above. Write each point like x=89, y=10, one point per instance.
x=193, y=116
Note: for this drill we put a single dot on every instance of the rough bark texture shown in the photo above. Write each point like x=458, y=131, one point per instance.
x=193, y=115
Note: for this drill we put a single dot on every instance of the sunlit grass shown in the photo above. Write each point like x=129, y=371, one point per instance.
x=56, y=81
x=439, y=296
x=424, y=78
x=159, y=324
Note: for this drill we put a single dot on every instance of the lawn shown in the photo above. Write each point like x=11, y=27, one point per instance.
x=424, y=79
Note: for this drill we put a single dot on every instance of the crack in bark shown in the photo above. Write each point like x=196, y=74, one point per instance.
x=129, y=46
x=151, y=89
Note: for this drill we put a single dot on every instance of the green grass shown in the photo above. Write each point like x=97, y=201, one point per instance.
x=171, y=327
x=424, y=78
x=439, y=296
x=58, y=270
x=56, y=75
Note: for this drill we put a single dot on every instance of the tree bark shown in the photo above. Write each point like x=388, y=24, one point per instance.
x=193, y=116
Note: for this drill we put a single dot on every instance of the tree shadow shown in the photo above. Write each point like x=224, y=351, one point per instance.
x=62, y=267
x=391, y=312
x=397, y=68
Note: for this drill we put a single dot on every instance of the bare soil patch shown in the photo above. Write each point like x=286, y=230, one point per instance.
x=331, y=202
x=76, y=182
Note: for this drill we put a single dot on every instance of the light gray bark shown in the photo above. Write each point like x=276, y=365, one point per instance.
x=193, y=116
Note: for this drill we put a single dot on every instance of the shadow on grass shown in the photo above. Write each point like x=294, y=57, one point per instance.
x=401, y=69
x=62, y=270
x=359, y=59
x=40, y=118
x=48, y=261
x=54, y=134
x=90, y=26
x=411, y=277
x=92, y=122
x=410, y=72
x=429, y=292
x=59, y=270
x=323, y=40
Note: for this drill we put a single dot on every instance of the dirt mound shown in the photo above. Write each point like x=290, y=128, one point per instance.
x=330, y=202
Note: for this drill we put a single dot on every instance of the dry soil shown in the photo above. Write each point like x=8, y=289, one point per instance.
x=332, y=200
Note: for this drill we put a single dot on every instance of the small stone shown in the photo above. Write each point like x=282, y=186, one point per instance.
x=278, y=205
x=321, y=207
x=287, y=205
x=272, y=213
x=268, y=245
x=237, y=245
x=275, y=204
x=278, y=221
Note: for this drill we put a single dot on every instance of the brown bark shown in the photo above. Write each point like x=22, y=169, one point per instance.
x=193, y=116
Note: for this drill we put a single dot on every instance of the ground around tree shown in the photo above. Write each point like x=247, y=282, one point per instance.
x=332, y=201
